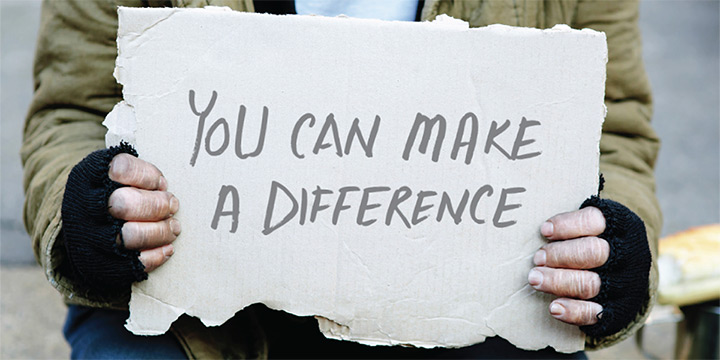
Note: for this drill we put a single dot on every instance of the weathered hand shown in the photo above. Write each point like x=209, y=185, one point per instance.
x=563, y=264
x=146, y=206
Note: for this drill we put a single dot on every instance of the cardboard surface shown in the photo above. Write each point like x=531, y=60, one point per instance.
x=399, y=187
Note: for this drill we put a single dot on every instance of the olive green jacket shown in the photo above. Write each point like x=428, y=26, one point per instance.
x=75, y=89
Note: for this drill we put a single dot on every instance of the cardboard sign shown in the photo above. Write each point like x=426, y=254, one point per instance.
x=389, y=178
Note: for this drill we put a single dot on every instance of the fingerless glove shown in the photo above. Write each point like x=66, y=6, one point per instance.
x=97, y=260
x=625, y=275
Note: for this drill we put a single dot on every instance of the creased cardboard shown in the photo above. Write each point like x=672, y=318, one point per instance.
x=389, y=178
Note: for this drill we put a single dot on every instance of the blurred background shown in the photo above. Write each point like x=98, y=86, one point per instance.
x=681, y=49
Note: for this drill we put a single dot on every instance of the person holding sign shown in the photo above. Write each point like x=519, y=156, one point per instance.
x=112, y=221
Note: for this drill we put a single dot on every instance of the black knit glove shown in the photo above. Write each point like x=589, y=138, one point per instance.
x=625, y=275
x=97, y=260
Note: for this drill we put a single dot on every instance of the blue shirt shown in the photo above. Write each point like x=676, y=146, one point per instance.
x=403, y=10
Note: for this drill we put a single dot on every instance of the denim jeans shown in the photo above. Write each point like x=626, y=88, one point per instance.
x=100, y=334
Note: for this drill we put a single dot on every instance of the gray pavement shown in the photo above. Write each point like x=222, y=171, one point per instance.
x=681, y=48
x=18, y=30
x=681, y=57
x=32, y=316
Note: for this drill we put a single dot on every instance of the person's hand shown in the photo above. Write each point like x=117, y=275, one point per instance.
x=117, y=222
x=147, y=208
x=563, y=264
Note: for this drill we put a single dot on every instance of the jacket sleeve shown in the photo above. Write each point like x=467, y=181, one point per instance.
x=629, y=146
x=74, y=90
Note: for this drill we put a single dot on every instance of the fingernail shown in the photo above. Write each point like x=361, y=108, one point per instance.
x=547, y=229
x=540, y=257
x=535, y=278
x=174, y=205
x=175, y=227
x=162, y=183
x=168, y=251
x=556, y=309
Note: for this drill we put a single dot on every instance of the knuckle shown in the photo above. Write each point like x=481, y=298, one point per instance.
x=559, y=259
x=129, y=170
x=563, y=254
x=585, y=219
x=592, y=220
x=589, y=313
x=134, y=236
x=578, y=285
x=554, y=281
x=550, y=254
x=118, y=203
x=162, y=205
x=574, y=283
x=133, y=204
x=559, y=223
x=584, y=257
x=589, y=285
x=576, y=254
x=143, y=238
x=158, y=259
x=119, y=167
x=161, y=231
x=162, y=234
x=580, y=312
x=148, y=176
x=155, y=205
x=574, y=316
x=598, y=251
x=582, y=253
